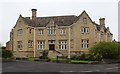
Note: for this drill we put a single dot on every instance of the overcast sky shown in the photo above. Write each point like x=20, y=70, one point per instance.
x=10, y=11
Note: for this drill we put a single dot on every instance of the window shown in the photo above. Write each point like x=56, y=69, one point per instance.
x=85, y=30
x=62, y=45
x=30, y=43
x=19, y=44
x=85, y=20
x=85, y=43
x=62, y=31
x=41, y=44
x=40, y=31
x=19, y=31
x=30, y=31
x=51, y=30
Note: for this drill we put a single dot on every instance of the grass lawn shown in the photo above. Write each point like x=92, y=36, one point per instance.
x=81, y=61
x=63, y=59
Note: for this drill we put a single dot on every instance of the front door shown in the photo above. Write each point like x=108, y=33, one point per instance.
x=51, y=46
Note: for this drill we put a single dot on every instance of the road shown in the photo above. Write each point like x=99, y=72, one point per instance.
x=36, y=66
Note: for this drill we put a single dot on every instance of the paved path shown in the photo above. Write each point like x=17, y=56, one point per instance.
x=35, y=66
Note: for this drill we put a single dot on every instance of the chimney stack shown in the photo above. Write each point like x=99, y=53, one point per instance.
x=34, y=13
x=102, y=21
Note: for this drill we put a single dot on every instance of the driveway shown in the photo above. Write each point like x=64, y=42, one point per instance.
x=36, y=66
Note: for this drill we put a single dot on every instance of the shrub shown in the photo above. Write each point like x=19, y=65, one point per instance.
x=83, y=57
x=75, y=57
x=45, y=54
x=106, y=50
x=6, y=53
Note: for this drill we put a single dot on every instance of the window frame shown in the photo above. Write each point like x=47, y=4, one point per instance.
x=85, y=30
x=41, y=45
x=30, y=43
x=62, y=31
x=51, y=30
x=85, y=43
x=41, y=31
x=19, y=45
x=62, y=44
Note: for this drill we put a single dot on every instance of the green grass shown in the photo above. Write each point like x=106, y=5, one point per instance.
x=81, y=61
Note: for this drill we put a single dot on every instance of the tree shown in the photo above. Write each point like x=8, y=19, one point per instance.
x=6, y=54
x=106, y=50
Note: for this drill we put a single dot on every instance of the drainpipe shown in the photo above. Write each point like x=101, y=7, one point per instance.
x=69, y=45
x=34, y=43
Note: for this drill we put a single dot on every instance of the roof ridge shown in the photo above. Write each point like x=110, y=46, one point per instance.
x=57, y=16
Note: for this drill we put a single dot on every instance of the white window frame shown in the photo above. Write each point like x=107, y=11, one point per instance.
x=51, y=30
x=41, y=45
x=62, y=45
x=85, y=43
x=85, y=30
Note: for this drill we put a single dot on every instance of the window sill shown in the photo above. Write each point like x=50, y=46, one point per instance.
x=30, y=47
x=85, y=33
x=62, y=34
x=51, y=34
x=40, y=49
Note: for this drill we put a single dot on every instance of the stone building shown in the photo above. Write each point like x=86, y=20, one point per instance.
x=60, y=35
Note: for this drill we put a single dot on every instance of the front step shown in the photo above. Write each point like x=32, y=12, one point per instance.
x=54, y=54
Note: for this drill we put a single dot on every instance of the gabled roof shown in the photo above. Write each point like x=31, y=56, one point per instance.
x=86, y=14
x=59, y=20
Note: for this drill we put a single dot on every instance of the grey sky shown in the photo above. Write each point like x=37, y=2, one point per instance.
x=10, y=11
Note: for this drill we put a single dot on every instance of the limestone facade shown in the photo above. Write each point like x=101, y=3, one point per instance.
x=60, y=35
